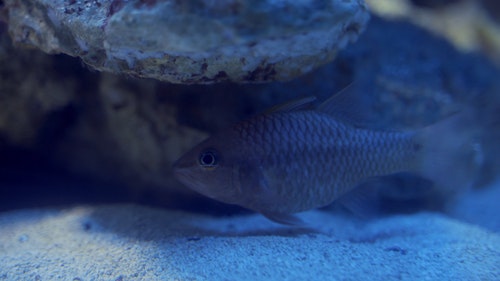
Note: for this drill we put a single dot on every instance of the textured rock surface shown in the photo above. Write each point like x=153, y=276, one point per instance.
x=127, y=242
x=28, y=99
x=191, y=41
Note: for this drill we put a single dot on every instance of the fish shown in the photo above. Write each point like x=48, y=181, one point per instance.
x=295, y=157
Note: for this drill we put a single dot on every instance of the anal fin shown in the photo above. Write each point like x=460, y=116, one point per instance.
x=363, y=200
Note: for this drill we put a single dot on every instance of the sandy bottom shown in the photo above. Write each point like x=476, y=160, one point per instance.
x=130, y=242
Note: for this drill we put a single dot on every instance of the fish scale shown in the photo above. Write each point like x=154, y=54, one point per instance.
x=311, y=149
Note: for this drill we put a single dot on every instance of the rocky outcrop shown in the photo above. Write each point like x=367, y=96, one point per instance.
x=191, y=41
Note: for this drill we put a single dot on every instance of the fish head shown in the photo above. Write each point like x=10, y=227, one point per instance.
x=210, y=168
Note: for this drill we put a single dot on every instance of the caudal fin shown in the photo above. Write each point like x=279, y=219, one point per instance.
x=451, y=153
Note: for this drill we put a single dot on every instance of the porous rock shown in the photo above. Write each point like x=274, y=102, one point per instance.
x=191, y=41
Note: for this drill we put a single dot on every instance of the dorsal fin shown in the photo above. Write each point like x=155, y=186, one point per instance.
x=292, y=105
x=349, y=106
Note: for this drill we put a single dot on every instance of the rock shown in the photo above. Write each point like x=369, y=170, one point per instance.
x=127, y=133
x=191, y=41
x=469, y=25
x=493, y=8
x=433, y=3
x=30, y=96
x=129, y=242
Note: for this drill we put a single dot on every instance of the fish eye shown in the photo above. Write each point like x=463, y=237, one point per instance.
x=208, y=159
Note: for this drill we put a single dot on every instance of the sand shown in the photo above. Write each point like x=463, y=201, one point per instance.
x=131, y=242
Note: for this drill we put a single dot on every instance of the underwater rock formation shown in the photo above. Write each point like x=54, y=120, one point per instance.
x=191, y=41
x=31, y=91
x=470, y=25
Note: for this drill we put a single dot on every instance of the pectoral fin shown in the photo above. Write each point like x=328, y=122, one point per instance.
x=259, y=195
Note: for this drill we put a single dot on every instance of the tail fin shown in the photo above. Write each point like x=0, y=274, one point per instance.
x=451, y=153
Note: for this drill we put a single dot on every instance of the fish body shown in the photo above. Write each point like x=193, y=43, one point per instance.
x=291, y=160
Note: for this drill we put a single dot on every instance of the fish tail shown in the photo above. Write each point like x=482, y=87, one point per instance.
x=451, y=153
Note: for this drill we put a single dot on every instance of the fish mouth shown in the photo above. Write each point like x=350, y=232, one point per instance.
x=179, y=164
x=182, y=174
x=190, y=179
x=183, y=163
x=186, y=176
